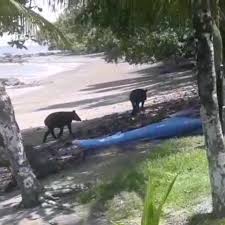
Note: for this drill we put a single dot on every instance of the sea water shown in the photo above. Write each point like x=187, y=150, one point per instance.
x=35, y=67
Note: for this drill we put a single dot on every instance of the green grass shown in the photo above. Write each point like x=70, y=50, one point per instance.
x=186, y=156
x=152, y=213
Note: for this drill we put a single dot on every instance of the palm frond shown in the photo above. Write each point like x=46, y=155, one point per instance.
x=17, y=18
x=125, y=16
x=152, y=213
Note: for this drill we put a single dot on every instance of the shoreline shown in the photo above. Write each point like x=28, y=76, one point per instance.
x=33, y=71
x=17, y=86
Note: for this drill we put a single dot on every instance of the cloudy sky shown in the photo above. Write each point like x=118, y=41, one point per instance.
x=47, y=13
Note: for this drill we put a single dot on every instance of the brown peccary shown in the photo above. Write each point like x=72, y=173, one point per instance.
x=138, y=96
x=59, y=120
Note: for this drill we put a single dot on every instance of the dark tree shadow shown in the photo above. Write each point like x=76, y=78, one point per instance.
x=159, y=80
x=45, y=213
x=106, y=125
x=103, y=165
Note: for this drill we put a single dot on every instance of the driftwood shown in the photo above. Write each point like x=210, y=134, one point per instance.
x=45, y=159
x=53, y=157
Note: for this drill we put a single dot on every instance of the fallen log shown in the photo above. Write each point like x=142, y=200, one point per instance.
x=45, y=159
x=53, y=157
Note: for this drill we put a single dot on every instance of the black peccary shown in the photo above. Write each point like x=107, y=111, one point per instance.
x=59, y=120
x=138, y=96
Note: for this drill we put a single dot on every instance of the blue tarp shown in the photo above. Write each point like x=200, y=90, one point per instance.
x=172, y=127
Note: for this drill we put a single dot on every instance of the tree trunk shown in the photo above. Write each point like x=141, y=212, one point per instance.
x=209, y=106
x=11, y=141
x=218, y=57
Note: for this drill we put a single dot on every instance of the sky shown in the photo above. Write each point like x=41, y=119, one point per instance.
x=47, y=13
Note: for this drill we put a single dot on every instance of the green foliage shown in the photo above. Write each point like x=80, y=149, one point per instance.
x=123, y=206
x=18, y=17
x=142, y=46
x=128, y=181
x=136, y=28
x=139, y=31
x=124, y=16
x=84, y=38
x=185, y=155
x=152, y=213
x=146, y=46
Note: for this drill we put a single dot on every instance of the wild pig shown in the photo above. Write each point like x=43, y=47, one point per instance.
x=59, y=120
x=138, y=96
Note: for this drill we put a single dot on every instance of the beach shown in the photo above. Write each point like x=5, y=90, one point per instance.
x=92, y=87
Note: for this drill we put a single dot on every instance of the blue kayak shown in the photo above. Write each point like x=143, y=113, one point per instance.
x=172, y=127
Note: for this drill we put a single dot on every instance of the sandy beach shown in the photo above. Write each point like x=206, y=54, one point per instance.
x=94, y=88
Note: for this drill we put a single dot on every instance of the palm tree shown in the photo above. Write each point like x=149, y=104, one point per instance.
x=16, y=17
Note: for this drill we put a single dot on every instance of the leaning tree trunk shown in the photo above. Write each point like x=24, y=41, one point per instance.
x=218, y=57
x=209, y=105
x=11, y=141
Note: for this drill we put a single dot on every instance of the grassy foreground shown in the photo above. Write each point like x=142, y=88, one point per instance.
x=122, y=196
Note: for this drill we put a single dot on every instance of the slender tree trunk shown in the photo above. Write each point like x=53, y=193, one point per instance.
x=209, y=105
x=215, y=10
x=11, y=142
x=218, y=57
